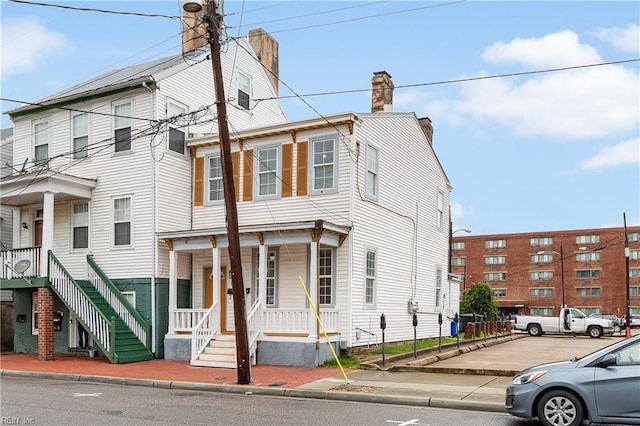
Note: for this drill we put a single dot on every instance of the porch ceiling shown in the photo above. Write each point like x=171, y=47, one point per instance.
x=27, y=188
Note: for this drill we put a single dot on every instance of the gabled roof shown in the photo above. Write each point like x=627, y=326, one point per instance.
x=129, y=76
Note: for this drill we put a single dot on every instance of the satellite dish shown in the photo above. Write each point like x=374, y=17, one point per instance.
x=21, y=266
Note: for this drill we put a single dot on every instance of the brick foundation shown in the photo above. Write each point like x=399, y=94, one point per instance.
x=45, y=324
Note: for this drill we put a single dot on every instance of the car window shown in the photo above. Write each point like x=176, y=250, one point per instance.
x=629, y=355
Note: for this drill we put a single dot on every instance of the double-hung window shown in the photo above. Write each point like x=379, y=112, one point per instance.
x=244, y=91
x=370, y=278
x=215, y=187
x=271, y=286
x=122, y=221
x=371, y=185
x=122, y=126
x=175, y=118
x=41, y=142
x=267, y=171
x=438, y=287
x=80, y=123
x=326, y=276
x=324, y=165
x=80, y=225
x=440, y=211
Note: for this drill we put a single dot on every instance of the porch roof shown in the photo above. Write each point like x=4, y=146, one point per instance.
x=256, y=234
x=27, y=188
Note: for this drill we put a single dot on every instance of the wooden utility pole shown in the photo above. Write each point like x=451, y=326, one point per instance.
x=214, y=23
x=627, y=253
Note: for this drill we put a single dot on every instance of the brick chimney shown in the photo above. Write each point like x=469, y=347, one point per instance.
x=382, y=92
x=266, y=49
x=427, y=128
x=194, y=32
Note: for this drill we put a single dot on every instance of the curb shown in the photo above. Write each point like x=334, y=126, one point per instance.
x=257, y=390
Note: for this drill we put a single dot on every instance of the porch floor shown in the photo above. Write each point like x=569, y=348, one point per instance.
x=162, y=369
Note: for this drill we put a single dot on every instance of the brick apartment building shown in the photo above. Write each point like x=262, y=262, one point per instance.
x=535, y=273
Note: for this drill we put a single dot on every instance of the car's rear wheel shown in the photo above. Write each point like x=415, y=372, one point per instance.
x=534, y=330
x=560, y=408
x=594, y=332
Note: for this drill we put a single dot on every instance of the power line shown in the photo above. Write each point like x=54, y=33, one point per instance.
x=90, y=9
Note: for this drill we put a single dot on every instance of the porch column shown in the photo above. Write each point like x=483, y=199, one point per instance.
x=15, y=217
x=173, y=289
x=313, y=286
x=215, y=275
x=47, y=231
x=262, y=274
x=45, y=324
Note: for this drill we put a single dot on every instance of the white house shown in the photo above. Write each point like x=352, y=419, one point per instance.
x=344, y=216
x=107, y=168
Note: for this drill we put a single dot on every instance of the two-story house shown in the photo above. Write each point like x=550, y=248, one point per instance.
x=342, y=219
x=100, y=169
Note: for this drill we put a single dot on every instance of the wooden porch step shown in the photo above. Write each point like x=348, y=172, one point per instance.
x=220, y=352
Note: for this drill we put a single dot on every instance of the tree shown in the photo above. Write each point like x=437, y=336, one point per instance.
x=479, y=299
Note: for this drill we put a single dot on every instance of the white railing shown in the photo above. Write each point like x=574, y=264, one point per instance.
x=126, y=313
x=186, y=319
x=205, y=330
x=254, y=326
x=94, y=321
x=330, y=320
x=10, y=258
x=298, y=321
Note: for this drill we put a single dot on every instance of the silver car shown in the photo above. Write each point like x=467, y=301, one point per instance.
x=602, y=387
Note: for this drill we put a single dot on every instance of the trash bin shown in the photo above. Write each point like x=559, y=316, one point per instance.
x=454, y=328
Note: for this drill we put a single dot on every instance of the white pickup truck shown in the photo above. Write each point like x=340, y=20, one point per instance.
x=570, y=321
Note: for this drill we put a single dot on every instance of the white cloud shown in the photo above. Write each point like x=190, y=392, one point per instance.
x=459, y=213
x=626, y=152
x=27, y=44
x=626, y=39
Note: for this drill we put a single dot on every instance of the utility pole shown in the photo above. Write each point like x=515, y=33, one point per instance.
x=213, y=19
x=562, y=276
x=627, y=253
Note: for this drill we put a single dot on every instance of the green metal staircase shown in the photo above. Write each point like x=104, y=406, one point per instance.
x=126, y=345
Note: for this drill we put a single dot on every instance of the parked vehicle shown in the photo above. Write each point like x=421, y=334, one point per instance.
x=601, y=387
x=570, y=321
x=618, y=322
x=635, y=321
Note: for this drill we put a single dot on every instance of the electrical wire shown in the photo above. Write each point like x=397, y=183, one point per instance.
x=89, y=9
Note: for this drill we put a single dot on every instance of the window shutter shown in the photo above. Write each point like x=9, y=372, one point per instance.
x=198, y=182
x=247, y=176
x=301, y=172
x=235, y=165
x=287, y=170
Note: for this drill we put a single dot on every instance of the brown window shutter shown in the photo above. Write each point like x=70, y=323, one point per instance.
x=247, y=176
x=301, y=188
x=287, y=170
x=198, y=182
x=235, y=165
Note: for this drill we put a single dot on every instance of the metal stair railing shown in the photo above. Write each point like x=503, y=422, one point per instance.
x=101, y=328
x=132, y=318
x=205, y=330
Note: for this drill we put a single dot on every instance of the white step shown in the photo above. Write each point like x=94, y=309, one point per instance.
x=220, y=352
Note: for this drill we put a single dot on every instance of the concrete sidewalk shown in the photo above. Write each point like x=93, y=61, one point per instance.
x=473, y=377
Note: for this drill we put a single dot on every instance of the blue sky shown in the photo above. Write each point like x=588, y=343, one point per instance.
x=531, y=152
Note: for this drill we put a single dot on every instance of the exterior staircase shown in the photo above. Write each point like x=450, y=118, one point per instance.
x=220, y=352
x=127, y=347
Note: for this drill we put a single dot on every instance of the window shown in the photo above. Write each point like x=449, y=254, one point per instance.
x=438, y=286
x=634, y=236
x=267, y=172
x=80, y=225
x=370, y=278
x=372, y=173
x=588, y=274
x=587, y=291
x=587, y=239
x=34, y=312
x=175, y=118
x=634, y=254
x=541, y=311
x=495, y=260
x=271, y=287
x=500, y=292
x=541, y=258
x=122, y=221
x=323, y=159
x=634, y=291
x=130, y=296
x=458, y=261
x=588, y=310
x=495, y=276
x=326, y=276
x=634, y=272
x=214, y=182
x=244, y=91
x=80, y=124
x=546, y=241
x=440, y=211
x=122, y=126
x=495, y=244
x=540, y=275
x=459, y=245
x=587, y=257
x=541, y=292
x=41, y=142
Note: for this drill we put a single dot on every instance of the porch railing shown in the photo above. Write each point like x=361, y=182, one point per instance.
x=298, y=321
x=254, y=326
x=186, y=319
x=101, y=327
x=138, y=325
x=9, y=258
x=205, y=330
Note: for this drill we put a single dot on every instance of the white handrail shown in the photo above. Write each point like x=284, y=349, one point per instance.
x=205, y=330
x=254, y=325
